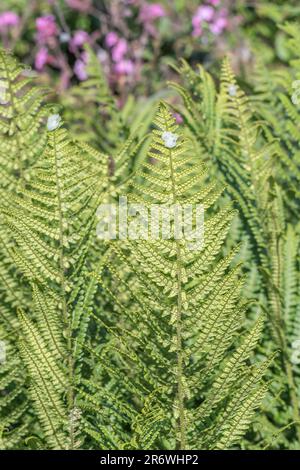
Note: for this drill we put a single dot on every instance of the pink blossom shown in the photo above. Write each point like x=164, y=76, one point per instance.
x=197, y=31
x=223, y=12
x=219, y=25
x=80, y=69
x=150, y=12
x=178, y=118
x=111, y=39
x=78, y=40
x=119, y=50
x=46, y=28
x=196, y=22
x=41, y=58
x=124, y=67
x=8, y=19
x=213, y=2
x=205, y=13
x=80, y=5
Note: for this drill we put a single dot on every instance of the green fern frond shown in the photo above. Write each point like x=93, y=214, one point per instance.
x=172, y=321
x=50, y=225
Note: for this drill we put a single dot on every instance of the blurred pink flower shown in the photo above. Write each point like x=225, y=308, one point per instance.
x=111, y=39
x=81, y=5
x=223, y=12
x=80, y=37
x=219, y=25
x=197, y=31
x=7, y=19
x=46, y=28
x=78, y=40
x=80, y=69
x=204, y=13
x=41, y=58
x=151, y=11
x=196, y=22
x=119, y=50
x=213, y=2
x=178, y=118
x=124, y=67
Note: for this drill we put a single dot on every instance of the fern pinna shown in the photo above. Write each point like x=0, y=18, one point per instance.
x=174, y=362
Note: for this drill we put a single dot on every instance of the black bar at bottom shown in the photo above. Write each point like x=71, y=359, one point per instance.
x=134, y=459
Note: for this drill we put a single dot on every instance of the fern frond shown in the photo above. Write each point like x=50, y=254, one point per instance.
x=158, y=335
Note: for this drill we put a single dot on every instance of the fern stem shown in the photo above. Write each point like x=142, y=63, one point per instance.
x=181, y=444
x=181, y=424
x=67, y=322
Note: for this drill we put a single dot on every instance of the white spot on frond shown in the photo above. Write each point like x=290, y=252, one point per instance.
x=3, y=92
x=170, y=139
x=53, y=122
x=232, y=89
